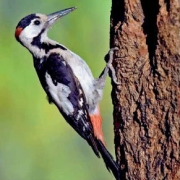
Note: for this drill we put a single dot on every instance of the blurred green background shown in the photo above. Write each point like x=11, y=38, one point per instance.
x=35, y=141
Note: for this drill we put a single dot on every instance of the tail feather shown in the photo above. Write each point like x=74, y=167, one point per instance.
x=91, y=141
x=108, y=160
x=96, y=141
x=99, y=148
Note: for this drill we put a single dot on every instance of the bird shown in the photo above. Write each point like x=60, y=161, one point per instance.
x=68, y=81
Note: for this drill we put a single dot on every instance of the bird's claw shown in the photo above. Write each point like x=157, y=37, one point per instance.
x=109, y=64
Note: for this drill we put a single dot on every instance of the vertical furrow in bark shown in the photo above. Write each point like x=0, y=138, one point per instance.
x=168, y=78
x=147, y=101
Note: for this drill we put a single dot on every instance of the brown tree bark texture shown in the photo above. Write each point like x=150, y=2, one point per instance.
x=147, y=101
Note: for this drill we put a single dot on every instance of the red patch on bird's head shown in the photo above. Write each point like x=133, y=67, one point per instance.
x=18, y=32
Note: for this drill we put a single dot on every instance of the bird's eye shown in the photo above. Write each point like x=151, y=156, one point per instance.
x=37, y=22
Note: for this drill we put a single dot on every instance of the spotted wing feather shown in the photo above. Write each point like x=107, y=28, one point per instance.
x=61, y=73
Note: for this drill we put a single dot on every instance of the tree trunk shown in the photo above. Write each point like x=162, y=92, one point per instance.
x=147, y=101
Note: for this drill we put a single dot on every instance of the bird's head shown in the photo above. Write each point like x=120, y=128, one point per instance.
x=37, y=24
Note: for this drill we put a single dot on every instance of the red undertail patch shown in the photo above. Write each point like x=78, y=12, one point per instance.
x=96, y=121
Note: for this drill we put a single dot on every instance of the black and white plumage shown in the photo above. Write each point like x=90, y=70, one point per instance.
x=67, y=81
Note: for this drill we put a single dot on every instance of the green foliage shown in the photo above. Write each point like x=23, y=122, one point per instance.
x=36, y=143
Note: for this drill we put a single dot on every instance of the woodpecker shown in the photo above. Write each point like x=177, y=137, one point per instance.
x=68, y=81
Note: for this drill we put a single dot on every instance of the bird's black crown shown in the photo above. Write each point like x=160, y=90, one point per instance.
x=26, y=21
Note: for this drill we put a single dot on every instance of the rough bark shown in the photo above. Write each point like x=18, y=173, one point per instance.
x=147, y=101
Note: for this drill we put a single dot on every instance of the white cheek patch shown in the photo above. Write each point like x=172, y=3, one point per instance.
x=31, y=31
x=26, y=38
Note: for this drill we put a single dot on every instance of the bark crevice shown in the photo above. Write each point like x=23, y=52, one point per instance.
x=151, y=10
x=147, y=101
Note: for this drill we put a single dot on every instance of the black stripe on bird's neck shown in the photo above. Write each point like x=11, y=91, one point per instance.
x=45, y=45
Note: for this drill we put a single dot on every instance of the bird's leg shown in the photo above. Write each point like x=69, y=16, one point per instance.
x=100, y=82
x=109, y=64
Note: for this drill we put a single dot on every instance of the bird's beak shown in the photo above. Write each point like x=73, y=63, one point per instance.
x=52, y=18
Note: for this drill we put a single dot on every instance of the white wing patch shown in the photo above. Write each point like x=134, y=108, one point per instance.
x=81, y=101
x=60, y=95
x=80, y=113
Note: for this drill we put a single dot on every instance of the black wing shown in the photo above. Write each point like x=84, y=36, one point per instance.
x=62, y=73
